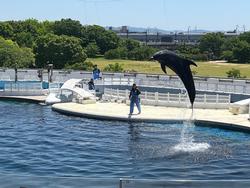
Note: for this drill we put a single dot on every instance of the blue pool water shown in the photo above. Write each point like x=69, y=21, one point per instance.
x=37, y=141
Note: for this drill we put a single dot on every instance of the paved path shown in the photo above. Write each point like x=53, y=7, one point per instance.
x=115, y=111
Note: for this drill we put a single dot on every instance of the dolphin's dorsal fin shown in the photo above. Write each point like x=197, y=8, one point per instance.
x=191, y=62
x=163, y=67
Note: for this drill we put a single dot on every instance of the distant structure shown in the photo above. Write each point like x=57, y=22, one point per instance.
x=166, y=39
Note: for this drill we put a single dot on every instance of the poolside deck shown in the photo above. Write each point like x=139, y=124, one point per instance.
x=119, y=112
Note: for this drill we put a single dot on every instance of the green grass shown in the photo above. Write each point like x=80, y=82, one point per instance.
x=211, y=69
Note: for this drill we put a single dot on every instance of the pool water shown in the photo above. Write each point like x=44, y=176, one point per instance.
x=37, y=141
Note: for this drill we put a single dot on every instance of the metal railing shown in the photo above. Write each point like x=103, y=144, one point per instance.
x=168, y=99
x=22, y=88
x=27, y=88
x=76, y=182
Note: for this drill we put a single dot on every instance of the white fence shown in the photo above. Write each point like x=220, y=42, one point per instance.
x=211, y=84
x=173, y=100
x=201, y=83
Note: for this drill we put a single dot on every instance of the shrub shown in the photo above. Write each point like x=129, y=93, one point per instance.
x=118, y=53
x=141, y=53
x=87, y=65
x=234, y=73
x=113, y=67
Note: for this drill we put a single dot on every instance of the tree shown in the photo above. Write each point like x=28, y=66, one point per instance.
x=245, y=37
x=242, y=52
x=212, y=43
x=92, y=49
x=130, y=44
x=105, y=40
x=24, y=39
x=68, y=27
x=6, y=30
x=12, y=56
x=59, y=50
x=228, y=55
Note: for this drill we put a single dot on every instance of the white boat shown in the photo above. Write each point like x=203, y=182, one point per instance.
x=71, y=91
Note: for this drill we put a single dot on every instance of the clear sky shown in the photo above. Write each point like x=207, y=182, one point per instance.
x=164, y=14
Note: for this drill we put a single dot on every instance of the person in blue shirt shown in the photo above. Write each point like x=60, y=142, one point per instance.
x=96, y=73
x=134, y=99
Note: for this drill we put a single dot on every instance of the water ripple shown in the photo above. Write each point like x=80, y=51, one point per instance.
x=37, y=141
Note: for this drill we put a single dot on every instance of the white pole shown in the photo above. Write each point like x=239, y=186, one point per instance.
x=217, y=98
x=205, y=99
x=156, y=97
x=127, y=94
x=249, y=112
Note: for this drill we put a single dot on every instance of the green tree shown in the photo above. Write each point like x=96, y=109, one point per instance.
x=59, y=50
x=245, y=37
x=11, y=55
x=24, y=39
x=130, y=44
x=230, y=43
x=242, y=52
x=6, y=30
x=105, y=40
x=212, y=43
x=68, y=27
x=228, y=55
x=92, y=49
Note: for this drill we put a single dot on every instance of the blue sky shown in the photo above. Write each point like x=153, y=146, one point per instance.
x=164, y=14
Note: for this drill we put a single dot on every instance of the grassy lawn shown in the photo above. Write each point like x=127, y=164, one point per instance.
x=203, y=69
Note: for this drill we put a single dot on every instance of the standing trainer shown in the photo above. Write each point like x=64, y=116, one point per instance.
x=134, y=99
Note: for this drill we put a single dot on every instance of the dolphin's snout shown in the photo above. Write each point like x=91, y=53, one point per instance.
x=151, y=58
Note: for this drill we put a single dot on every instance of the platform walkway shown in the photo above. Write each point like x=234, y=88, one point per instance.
x=115, y=111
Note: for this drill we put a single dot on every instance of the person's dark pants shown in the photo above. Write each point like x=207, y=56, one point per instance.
x=132, y=104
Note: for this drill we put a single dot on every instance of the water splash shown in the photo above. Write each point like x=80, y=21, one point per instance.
x=187, y=142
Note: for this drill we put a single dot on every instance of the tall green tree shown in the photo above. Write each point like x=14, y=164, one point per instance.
x=11, y=55
x=245, y=37
x=130, y=44
x=104, y=39
x=6, y=30
x=68, y=27
x=92, y=49
x=242, y=52
x=212, y=43
x=59, y=50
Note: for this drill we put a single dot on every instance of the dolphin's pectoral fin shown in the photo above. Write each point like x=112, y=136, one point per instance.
x=163, y=67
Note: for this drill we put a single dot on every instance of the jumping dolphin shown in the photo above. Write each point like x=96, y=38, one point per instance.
x=180, y=66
